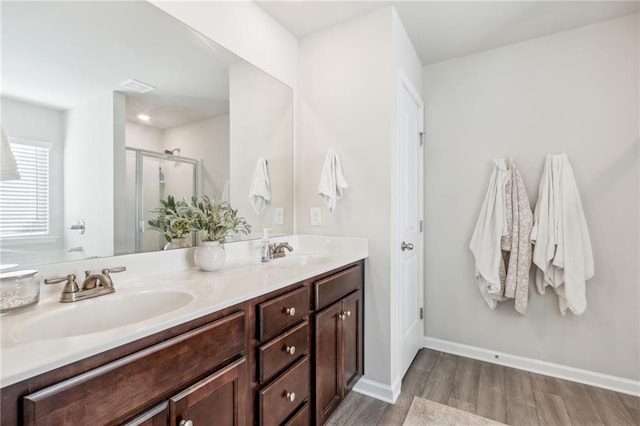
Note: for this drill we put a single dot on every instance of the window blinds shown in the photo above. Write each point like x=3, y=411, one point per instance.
x=24, y=203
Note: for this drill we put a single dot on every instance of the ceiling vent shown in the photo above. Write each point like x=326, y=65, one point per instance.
x=137, y=86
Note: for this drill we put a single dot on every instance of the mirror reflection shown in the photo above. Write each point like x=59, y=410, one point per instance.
x=109, y=107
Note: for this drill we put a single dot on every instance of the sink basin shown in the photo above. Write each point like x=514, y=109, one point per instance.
x=300, y=260
x=100, y=314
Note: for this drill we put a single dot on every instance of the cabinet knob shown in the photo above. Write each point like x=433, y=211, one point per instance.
x=290, y=396
x=290, y=311
x=186, y=423
x=290, y=350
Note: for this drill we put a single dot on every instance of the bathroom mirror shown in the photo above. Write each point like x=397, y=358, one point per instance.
x=109, y=107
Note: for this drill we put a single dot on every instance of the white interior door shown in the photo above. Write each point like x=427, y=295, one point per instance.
x=409, y=245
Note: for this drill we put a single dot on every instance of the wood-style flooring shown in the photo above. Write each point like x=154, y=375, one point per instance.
x=511, y=396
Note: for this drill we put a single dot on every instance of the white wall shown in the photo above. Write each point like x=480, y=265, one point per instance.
x=28, y=121
x=208, y=141
x=89, y=175
x=260, y=127
x=345, y=103
x=574, y=92
x=143, y=137
x=245, y=29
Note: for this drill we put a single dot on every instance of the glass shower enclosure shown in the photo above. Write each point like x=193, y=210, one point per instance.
x=150, y=177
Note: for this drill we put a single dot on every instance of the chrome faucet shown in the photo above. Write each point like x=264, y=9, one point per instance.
x=94, y=285
x=277, y=250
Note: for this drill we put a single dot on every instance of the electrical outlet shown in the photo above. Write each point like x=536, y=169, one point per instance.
x=316, y=216
x=278, y=213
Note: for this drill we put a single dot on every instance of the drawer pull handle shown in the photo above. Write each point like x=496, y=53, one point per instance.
x=186, y=423
x=290, y=396
x=290, y=350
x=290, y=311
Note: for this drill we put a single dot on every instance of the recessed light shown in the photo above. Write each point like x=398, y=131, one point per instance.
x=144, y=117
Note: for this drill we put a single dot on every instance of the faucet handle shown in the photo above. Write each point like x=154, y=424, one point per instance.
x=108, y=271
x=71, y=285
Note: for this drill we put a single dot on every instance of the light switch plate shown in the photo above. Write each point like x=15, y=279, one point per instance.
x=278, y=213
x=316, y=216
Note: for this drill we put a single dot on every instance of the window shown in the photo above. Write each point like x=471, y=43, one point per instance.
x=24, y=203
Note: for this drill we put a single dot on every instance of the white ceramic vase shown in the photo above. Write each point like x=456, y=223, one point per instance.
x=209, y=256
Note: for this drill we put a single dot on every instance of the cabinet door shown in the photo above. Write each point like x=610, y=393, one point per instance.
x=328, y=362
x=157, y=416
x=352, y=340
x=219, y=399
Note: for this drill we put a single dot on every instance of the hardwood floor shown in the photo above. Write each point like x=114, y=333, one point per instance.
x=511, y=396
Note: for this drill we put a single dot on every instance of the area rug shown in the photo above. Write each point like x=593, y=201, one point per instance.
x=425, y=412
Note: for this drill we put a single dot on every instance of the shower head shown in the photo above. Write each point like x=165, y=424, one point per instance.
x=172, y=151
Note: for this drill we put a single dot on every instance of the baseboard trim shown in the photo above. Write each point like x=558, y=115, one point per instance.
x=592, y=378
x=378, y=390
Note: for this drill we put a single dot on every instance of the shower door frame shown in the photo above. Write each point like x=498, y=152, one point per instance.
x=140, y=154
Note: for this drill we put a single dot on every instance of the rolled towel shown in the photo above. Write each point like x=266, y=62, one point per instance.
x=260, y=191
x=332, y=181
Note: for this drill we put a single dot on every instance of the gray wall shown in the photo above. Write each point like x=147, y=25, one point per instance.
x=344, y=103
x=574, y=92
x=347, y=95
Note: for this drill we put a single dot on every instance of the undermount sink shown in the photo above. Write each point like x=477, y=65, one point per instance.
x=100, y=314
x=299, y=260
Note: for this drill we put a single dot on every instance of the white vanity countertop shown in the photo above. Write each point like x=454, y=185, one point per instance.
x=203, y=293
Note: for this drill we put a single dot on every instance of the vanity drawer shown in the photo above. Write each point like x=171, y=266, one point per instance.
x=282, y=351
x=335, y=287
x=112, y=392
x=285, y=395
x=277, y=314
x=301, y=417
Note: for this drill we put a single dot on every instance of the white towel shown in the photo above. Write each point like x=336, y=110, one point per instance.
x=260, y=192
x=8, y=165
x=485, y=241
x=332, y=181
x=562, y=251
x=500, y=241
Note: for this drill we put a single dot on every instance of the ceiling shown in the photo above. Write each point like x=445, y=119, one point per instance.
x=64, y=53
x=442, y=30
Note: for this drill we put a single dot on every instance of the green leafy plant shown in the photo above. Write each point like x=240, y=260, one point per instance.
x=173, y=219
x=215, y=221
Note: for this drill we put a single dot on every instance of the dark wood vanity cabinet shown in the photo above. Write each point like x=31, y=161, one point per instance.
x=338, y=339
x=113, y=392
x=285, y=358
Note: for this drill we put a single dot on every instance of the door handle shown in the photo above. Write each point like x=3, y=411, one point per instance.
x=406, y=246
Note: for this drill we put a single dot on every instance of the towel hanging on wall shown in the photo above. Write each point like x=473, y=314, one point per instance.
x=332, y=181
x=500, y=241
x=260, y=191
x=562, y=251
